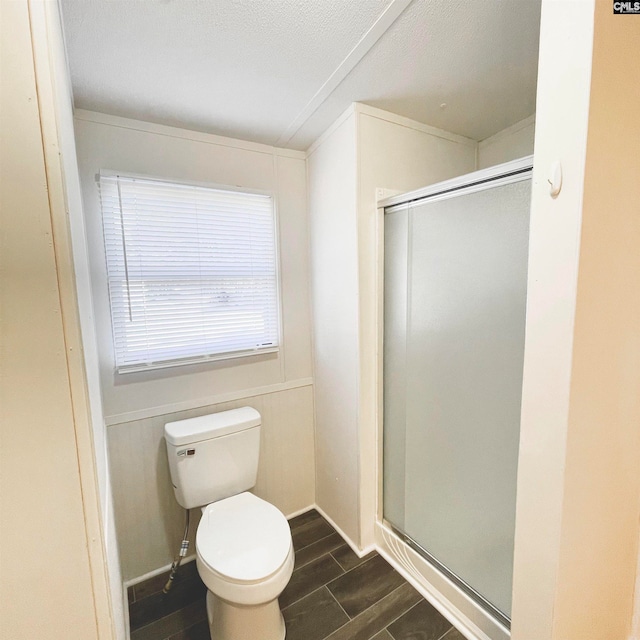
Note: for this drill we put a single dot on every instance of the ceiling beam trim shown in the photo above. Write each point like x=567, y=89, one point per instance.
x=393, y=11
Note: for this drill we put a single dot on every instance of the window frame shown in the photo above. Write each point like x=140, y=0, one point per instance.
x=208, y=358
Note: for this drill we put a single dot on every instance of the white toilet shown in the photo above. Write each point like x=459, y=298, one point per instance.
x=244, y=552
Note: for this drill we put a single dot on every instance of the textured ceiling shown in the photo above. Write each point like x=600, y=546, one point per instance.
x=249, y=68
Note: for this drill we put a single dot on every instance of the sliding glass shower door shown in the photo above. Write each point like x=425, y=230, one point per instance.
x=454, y=318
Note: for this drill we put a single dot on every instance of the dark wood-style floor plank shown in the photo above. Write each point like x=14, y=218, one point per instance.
x=310, y=532
x=174, y=623
x=309, y=578
x=159, y=605
x=453, y=634
x=198, y=631
x=383, y=635
x=186, y=572
x=347, y=559
x=332, y=595
x=318, y=549
x=378, y=616
x=422, y=622
x=364, y=585
x=303, y=518
x=314, y=617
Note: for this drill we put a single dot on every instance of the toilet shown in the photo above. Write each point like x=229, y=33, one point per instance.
x=244, y=552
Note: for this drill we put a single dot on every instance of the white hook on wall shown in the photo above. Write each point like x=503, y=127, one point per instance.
x=555, y=178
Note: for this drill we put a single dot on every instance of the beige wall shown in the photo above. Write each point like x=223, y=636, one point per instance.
x=511, y=143
x=635, y=624
x=367, y=149
x=64, y=148
x=577, y=515
x=51, y=544
x=599, y=541
x=148, y=520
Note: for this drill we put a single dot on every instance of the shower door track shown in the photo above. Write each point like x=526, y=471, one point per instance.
x=470, y=183
x=450, y=575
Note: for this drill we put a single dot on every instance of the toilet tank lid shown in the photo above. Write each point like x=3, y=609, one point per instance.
x=214, y=425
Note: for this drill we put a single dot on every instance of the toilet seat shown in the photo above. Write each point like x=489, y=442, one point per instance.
x=244, y=549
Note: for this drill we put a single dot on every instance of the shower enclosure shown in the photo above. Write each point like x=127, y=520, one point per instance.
x=455, y=284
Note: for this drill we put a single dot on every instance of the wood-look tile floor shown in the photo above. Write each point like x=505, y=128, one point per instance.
x=332, y=595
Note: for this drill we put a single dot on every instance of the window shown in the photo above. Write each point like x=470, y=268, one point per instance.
x=191, y=272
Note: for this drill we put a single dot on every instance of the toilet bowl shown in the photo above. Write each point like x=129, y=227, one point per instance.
x=245, y=557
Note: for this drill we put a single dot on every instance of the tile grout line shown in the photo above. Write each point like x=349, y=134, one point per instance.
x=446, y=633
x=322, y=586
x=341, y=607
x=406, y=612
x=340, y=546
x=326, y=584
x=402, y=614
x=344, y=573
x=367, y=609
x=315, y=542
x=338, y=561
x=350, y=570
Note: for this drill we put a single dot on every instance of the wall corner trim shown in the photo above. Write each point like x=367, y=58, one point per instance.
x=352, y=109
x=354, y=547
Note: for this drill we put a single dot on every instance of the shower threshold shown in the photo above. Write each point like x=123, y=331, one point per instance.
x=478, y=598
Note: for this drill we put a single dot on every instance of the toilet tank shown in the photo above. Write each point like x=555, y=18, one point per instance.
x=214, y=456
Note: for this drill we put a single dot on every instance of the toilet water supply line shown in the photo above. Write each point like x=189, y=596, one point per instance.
x=184, y=547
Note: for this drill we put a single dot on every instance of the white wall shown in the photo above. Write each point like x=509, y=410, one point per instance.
x=149, y=522
x=366, y=149
x=511, y=143
x=332, y=175
x=561, y=119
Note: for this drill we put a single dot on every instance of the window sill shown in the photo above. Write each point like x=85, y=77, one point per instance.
x=168, y=364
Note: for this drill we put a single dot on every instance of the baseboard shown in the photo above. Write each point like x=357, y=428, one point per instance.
x=127, y=621
x=299, y=512
x=155, y=572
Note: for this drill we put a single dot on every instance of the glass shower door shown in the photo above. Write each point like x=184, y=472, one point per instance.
x=455, y=299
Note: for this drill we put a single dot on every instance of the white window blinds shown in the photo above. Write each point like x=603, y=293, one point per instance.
x=191, y=270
